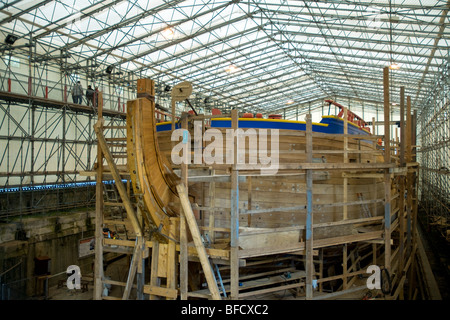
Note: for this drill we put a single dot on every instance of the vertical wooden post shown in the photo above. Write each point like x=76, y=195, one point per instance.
x=249, y=203
x=173, y=114
x=212, y=204
x=402, y=126
x=321, y=269
x=183, y=231
x=409, y=175
x=345, y=197
x=234, y=250
x=171, y=257
x=98, y=267
x=387, y=176
x=344, y=267
x=402, y=187
x=413, y=135
x=141, y=273
x=154, y=279
x=309, y=211
x=414, y=180
x=375, y=187
x=387, y=126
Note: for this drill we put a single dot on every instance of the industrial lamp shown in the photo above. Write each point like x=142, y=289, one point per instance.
x=109, y=69
x=10, y=39
x=394, y=66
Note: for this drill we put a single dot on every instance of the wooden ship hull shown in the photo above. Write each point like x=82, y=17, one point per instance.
x=281, y=197
x=336, y=194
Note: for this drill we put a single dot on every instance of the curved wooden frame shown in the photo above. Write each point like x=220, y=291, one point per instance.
x=152, y=177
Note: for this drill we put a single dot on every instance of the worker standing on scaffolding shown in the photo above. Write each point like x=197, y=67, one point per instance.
x=77, y=93
x=90, y=96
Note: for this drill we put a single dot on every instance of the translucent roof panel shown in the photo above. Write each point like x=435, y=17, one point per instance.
x=255, y=54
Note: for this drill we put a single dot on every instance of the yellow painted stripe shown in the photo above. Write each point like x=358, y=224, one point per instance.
x=337, y=118
x=161, y=123
x=272, y=120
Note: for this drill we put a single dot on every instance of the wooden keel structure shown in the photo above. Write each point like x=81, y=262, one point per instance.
x=338, y=203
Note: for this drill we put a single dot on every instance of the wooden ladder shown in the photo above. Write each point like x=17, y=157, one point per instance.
x=164, y=255
x=111, y=149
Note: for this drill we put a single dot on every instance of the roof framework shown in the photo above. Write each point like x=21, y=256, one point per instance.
x=282, y=50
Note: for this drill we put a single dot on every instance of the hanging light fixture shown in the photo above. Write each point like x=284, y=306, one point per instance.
x=10, y=39
x=394, y=66
x=168, y=33
x=232, y=69
x=290, y=101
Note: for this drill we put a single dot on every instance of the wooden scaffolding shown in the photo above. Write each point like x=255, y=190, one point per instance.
x=393, y=247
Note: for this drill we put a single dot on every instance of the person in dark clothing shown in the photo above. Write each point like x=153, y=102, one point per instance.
x=77, y=93
x=90, y=96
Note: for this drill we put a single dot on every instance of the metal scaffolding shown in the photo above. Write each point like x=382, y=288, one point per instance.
x=250, y=55
x=279, y=50
x=434, y=153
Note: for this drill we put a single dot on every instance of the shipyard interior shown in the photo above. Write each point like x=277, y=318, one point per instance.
x=224, y=150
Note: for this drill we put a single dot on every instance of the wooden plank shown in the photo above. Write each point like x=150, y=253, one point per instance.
x=309, y=212
x=173, y=120
x=249, y=200
x=212, y=203
x=234, y=216
x=184, y=259
x=257, y=252
x=387, y=177
x=133, y=267
x=279, y=238
x=169, y=293
x=344, y=267
x=110, y=298
x=195, y=232
x=154, y=279
x=402, y=126
x=119, y=242
x=320, y=243
x=345, y=149
x=318, y=166
x=171, y=258
x=401, y=183
x=98, y=265
x=212, y=253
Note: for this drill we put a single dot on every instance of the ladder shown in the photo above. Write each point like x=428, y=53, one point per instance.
x=131, y=241
x=118, y=228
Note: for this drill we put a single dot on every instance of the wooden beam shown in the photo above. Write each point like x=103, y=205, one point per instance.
x=137, y=257
x=402, y=126
x=345, y=186
x=234, y=217
x=171, y=258
x=387, y=177
x=309, y=211
x=195, y=232
x=154, y=280
x=184, y=259
x=98, y=267
x=160, y=291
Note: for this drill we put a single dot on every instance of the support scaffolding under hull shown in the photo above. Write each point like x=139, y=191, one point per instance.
x=337, y=204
